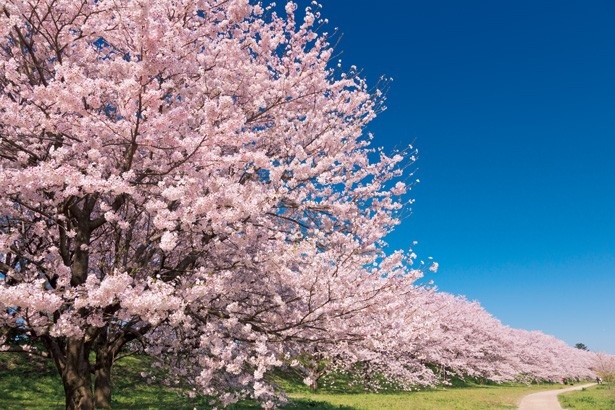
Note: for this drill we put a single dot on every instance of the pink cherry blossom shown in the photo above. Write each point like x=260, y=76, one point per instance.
x=194, y=176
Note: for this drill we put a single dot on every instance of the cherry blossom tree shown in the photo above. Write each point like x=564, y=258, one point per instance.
x=191, y=175
x=425, y=337
x=464, y=340
x=195, y=177
x=395, y=329
x=604, y=366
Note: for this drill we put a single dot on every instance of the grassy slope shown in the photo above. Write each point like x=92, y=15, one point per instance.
x=24, y=384
x=594, y=398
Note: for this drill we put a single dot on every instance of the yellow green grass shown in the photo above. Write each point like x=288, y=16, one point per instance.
x=592, y=398
x=458, y=398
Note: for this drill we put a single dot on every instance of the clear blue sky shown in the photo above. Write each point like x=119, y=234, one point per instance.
x=512, y=107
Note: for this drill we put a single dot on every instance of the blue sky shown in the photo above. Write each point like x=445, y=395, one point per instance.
x=512, y=108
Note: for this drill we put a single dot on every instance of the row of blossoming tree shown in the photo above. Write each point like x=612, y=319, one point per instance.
x=192, y=176
x=433, y=336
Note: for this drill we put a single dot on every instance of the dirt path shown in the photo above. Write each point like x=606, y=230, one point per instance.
x=546, y=400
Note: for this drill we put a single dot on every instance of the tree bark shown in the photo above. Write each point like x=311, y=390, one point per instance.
x=76, y=377
x=78, y=396
x=102, y=380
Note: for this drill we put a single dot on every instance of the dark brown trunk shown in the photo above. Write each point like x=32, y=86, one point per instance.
x=78, y=396
x=76, y=377
x=102, y=381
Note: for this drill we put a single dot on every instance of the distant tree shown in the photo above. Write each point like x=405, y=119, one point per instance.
x=581, y=346
x=604, y=367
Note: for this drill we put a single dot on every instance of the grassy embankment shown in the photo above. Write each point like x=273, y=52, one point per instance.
x=592, y=398
x=24, y=384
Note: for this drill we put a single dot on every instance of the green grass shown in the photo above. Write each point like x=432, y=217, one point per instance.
x=26, y=384
x=460, y=398
x=592, y=398
x=463, y=394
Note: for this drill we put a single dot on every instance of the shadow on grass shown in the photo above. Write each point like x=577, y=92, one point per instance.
x=17, y=393
x=27, y=383
x=300, y=404
x=295, y=404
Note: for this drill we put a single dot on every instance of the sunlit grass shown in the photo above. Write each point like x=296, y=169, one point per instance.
x=592, y=398
x=459, y=398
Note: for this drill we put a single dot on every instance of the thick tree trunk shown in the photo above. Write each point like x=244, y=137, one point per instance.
x=78, y=396
x=102, y=381
x=76, y=377
x=71, y=357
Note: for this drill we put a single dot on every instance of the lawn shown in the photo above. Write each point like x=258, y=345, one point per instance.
x=26, y=384
x=593, y=398
x=458, y=398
